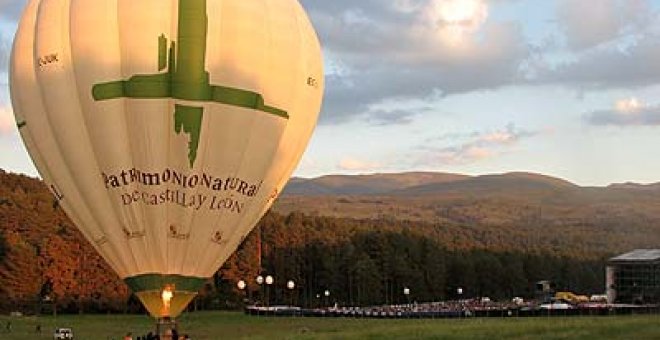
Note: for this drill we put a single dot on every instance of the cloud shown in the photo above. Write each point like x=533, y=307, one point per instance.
x=635, y=66
x=7, y=122
x=381, y=117
x=588, y=23
x=11, y=9
x=5, y=51
x=405, y=50
x=474, y=147
x=453, y=21
x=396, y=117
x=616, y=45
x=351, y=164
x=626, y=112
x=407, y=6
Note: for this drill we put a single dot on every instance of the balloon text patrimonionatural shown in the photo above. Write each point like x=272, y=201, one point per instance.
x=128, y=178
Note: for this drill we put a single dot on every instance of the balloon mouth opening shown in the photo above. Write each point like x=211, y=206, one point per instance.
x=165, y=296
x=158, y=307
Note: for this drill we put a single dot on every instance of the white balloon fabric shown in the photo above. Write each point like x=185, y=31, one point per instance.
x=166, y=128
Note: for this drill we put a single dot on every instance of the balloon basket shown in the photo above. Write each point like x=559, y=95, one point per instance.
x=165, y=326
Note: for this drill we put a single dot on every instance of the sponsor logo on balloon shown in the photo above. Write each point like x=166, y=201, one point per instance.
x=48, y=59
x=178, y=235
x=133, y=234
x=217, y=238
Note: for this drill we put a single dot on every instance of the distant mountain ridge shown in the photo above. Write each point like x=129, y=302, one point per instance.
x=376, y=184
x=635, y=186
x=518, y=200
x=423, y=183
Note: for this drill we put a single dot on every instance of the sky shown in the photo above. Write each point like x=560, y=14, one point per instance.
x=566, y=88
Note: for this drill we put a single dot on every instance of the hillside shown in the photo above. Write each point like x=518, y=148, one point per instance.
x=437, y=231
x=512, y=208
x=502, y=198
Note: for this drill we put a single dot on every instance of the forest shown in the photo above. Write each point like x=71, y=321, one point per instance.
x=46, y=263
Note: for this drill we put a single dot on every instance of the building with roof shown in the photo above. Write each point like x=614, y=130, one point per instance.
x=634, y=277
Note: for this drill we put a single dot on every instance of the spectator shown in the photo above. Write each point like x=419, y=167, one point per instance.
x=167, y=335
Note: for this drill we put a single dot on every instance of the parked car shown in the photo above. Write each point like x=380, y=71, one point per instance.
x=63, y=334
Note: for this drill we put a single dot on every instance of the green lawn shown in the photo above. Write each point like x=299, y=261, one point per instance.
x=221, y=325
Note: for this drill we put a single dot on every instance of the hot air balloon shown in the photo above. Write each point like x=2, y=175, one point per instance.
x=166, y=128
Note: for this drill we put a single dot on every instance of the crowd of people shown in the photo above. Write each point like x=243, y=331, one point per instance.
x=443, y=308
x=456, y=308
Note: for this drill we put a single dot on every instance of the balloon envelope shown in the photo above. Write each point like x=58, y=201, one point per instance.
x=166, y=128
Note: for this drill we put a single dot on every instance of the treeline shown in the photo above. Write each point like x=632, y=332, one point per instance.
x=45, y=262
x=359, y=263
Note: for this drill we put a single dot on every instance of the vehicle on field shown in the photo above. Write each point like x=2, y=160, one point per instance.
x=63, y=334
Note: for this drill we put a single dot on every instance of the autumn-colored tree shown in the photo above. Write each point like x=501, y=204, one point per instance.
x=19, y=273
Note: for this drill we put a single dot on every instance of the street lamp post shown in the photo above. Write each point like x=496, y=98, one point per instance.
x=260, y=282
x=406, y=292
x=459, y=291
x=269, y=282
x=327, y=296
x=290, y=285
x=241, y=285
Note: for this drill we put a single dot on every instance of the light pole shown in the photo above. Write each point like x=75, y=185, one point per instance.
x=290, y=285
x=260, y=282
x=459, y=291
x=241, y=286
x=269, y=282
x=406, y=292
x=327, y=295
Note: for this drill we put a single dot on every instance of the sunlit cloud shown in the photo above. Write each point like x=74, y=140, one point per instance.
x=631, y=105
x=455, y=20
x=351, y=164
x=411, y=50
x=473, y=147
x=626, y=112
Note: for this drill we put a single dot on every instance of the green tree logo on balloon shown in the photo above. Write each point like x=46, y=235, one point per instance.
x=185, y=78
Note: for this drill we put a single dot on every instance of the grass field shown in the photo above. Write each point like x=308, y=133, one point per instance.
x=223, y=325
